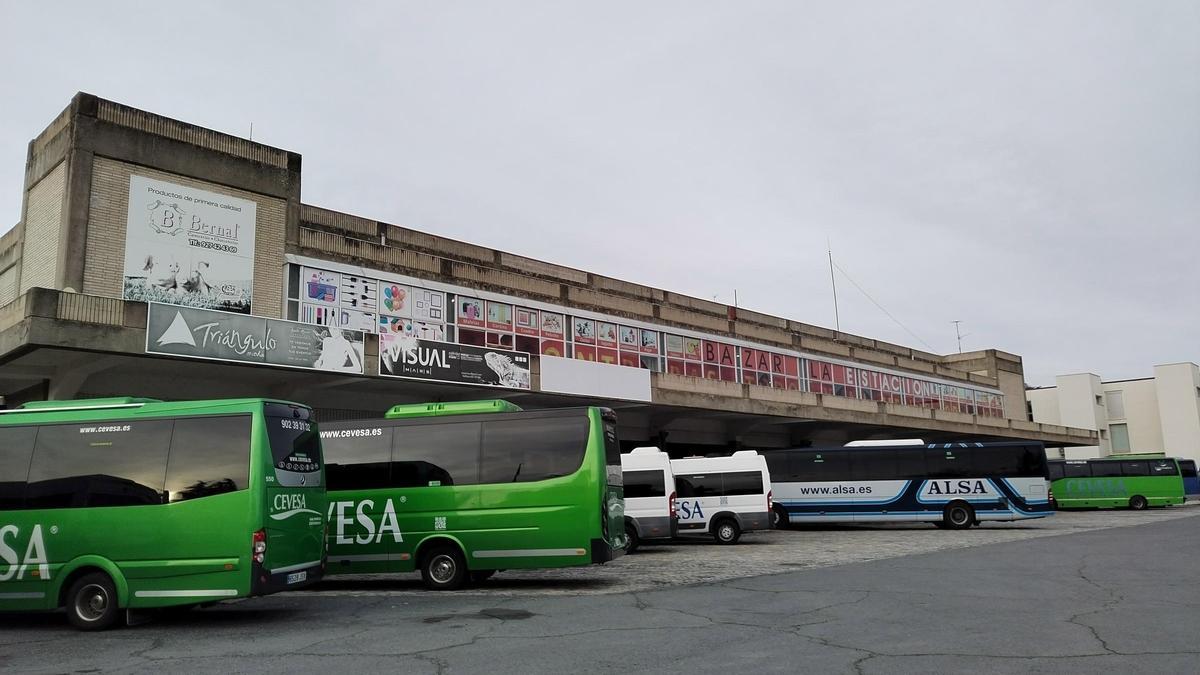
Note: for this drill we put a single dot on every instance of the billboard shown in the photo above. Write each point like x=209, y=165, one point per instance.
x=223, y=336
x=414, y=358
x=191, y=247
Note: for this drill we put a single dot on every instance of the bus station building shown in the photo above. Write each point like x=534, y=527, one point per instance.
x=158, y=258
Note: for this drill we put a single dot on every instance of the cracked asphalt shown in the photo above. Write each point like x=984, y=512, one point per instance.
x=1122, y=598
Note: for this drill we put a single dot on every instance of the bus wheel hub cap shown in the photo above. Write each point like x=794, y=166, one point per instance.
x=443, y=568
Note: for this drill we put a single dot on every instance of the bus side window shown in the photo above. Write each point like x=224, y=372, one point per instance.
x=1134, y=467
x=16, y=448
x=518, y=451
x=209, y=456
x=698, y=485
x=778, y=464
x=1001, y=461
x=1055, y=470
x=945, y=463
x=1106, y=469
x=358, y=462
x=425, y=455
x=1163, y=467
x=741, y=483
x=1077, y=470
x=650, y=483
x=873, y=465
x=910, y=464
x=120, y=463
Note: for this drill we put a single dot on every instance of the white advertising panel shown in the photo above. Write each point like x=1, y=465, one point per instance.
x=185, y=246
x=590, y=378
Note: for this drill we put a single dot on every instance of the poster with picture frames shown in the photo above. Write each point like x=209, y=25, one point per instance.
x=365, y=303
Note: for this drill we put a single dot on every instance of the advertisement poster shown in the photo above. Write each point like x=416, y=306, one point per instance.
x=223, y=336
x=606, y=334
x=395, y=299
x=359, y=293
x=319, y=287
x=319, y=315
x=552, y=326
x=691, y=348
x=583, y=331
x=585, y=352
x=470, y=312
x=356, y=320
x=527, y=322
x=649, y=341
x=185, y=246
x=390, y=325
x=499, y=316
x=674, y=344
x=629, y=338
x=409, y=357
x=608, y=356
x=428, y=305
x=553, y=347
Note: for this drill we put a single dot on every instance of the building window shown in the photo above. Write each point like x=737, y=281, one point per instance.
x=1099, y=399
x=1120, y=437
x=1103, y=434
x=1115, y=402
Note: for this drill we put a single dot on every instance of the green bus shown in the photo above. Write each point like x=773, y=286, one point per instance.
x=130, y=503
x=1120, y=481
x=462, y=490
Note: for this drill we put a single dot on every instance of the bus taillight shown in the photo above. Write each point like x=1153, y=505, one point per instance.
x=671, y=508
x=260, y=545
x=770, y=494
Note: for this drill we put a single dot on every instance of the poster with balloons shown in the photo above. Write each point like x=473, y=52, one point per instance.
x=394, y=300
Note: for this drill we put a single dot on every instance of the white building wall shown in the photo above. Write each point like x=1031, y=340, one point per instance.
x=1162, y=413
x=1081, y=404
x=1141, y=414
x=1178, y=389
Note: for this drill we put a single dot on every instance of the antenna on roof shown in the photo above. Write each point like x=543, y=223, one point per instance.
x=252, y=131
x=837, y=322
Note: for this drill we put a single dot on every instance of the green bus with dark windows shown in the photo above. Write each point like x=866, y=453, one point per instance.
x=1120, y=481
x=129, y=503
x=461, y=490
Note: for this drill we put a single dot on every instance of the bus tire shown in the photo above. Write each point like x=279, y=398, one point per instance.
x=443, y=568
x=726, y=531
x=631, y=537
x=91, y=602
x=1138, y=503
x=958, y=515
x=779, y=518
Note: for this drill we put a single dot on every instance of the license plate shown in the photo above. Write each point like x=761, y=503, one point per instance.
x=297, y=577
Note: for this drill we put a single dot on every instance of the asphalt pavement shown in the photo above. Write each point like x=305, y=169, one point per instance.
x=1122, y=599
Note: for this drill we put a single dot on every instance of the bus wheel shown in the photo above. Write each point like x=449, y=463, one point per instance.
x=779, y=518
x=1138, y=502
x=958, y=516
x=92, y=602
x=727, y=531
x=481, y=576
x=443, y=568
x=631, y=536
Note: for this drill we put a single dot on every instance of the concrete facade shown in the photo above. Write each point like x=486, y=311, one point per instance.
x=72, y=237
x=1153, y=414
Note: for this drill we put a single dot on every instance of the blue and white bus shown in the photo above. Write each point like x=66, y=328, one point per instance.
x=952, y=485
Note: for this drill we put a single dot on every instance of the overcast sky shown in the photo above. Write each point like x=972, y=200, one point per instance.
x=1031, y=169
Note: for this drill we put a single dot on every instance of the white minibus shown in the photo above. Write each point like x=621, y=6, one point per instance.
x=649, y=496
x=723, y=496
